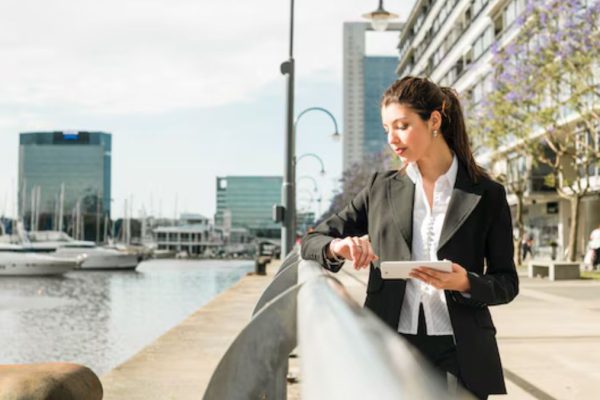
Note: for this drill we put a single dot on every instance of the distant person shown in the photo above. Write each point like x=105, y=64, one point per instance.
x=439, y=205
x=526, y=246
x=595, y=246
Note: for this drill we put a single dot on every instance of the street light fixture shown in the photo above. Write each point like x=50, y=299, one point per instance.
x=380, y=18
x=336, y=134
x=286, y=213
x=315, y=190
x=314, y=181
x=322, y=172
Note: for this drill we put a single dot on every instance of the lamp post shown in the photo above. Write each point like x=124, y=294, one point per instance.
x=313, y=180
x=313, y=155
x=288, y=231
x=316, y=190
x=380, y=18
x=336, y=134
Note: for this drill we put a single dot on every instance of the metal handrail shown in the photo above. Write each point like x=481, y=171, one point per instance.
x=346, y=352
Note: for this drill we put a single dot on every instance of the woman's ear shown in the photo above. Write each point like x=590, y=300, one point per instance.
x=435, y=120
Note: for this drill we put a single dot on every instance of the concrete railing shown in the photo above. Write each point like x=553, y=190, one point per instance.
x=345, y=351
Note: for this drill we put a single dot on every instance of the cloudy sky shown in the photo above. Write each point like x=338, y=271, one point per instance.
x=190, y=90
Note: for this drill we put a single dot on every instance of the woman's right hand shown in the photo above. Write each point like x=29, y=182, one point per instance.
x=357, y=249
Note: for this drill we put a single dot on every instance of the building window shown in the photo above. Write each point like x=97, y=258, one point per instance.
x=510, y=13
x=498, y=26
x=477, y=6
x=483, y=42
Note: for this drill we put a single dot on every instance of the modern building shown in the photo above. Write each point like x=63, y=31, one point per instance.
x=365, y=79
x=68, y=174
x=247, y=202
x=450, y=43
x=193, y=234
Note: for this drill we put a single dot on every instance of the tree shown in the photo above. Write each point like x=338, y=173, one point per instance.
x=545, y=97
x=482, y=127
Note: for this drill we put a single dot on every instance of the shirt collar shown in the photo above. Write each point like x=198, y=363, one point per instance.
x=412, y=170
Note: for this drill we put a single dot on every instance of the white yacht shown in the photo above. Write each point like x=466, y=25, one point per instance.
x=95, y=257
x=100, y=257
x=14, y=261
x=48, y=241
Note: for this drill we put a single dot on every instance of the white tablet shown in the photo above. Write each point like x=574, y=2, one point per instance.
x=401, y=269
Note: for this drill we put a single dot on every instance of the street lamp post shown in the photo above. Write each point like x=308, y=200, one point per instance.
x=315, y=189
x=380, y=18
x=313, y=180
x=288, y=231
x=313, y=155
x=291, y=212
x=336, y=133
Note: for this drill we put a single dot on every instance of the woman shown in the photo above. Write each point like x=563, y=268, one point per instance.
x=440, y=205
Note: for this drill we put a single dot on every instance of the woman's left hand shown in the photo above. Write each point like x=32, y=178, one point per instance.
x=455, y=280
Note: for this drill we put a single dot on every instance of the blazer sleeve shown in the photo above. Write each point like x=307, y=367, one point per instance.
x=351, y=221
x=500, y=283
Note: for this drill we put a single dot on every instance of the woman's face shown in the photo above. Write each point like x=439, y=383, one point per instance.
x=408, y=135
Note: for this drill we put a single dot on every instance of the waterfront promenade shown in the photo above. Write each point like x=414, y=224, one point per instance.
x=179, y=364
x=549, y=339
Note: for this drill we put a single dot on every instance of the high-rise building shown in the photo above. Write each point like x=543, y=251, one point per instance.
x=247, y=202
x=365, y=79
x=450, y=42
x=65, y=173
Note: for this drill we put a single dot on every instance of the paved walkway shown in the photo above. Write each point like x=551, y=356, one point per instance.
x=179, y=364
x=549, y=340
x=549, y=337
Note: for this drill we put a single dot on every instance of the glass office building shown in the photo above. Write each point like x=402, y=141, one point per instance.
x=379, y=74
x=78, y=164
x=247, y=202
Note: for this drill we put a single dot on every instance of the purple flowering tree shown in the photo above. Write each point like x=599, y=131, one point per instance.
x=545, y=97
x=482, y=125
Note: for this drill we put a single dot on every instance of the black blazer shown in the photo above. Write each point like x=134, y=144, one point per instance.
x=477, y=234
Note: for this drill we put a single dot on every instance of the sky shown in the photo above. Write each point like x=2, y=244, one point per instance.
x=189, y=90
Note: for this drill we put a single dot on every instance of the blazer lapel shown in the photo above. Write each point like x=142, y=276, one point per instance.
x=465, y=197
x=400, y=195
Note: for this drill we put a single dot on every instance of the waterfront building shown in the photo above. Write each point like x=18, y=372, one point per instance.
x=365, y=79
x=247, y=202
x=68, y=174
x=193, y=234
x=450, y=42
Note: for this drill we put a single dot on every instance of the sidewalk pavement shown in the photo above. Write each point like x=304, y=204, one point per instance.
x=180, y=363
x=549, y=337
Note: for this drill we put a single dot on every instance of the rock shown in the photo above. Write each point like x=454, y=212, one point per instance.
x=49, y=381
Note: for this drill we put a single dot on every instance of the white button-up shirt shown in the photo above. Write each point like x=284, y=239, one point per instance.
x=427, y=227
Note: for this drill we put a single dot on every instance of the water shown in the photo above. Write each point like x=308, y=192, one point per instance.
x=102, y=318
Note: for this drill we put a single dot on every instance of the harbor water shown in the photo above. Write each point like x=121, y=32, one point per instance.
x=102, y=318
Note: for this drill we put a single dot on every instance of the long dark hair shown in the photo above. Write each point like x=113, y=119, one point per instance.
x=424, y=97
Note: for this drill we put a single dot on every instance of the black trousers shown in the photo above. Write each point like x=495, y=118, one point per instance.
x=438, y=350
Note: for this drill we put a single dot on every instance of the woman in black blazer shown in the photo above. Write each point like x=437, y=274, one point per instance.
x=425, y=126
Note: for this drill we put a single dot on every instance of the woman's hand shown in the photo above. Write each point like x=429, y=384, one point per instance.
x=455, y=280
x=357, y=249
